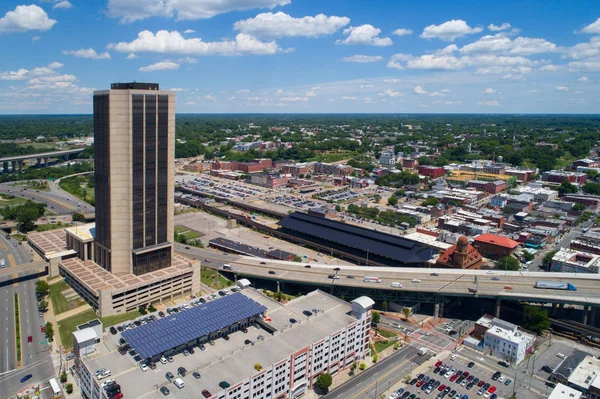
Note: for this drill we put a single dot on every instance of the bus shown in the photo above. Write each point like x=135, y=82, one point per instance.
x=56, y=392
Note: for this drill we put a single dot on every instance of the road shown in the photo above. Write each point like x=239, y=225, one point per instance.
x=58, y=201
x=562, y=243
x=448, y=282
x=13, y=253
x=377, y=379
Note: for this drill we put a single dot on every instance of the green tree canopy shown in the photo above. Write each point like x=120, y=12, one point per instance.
x=375, y=317
x=42, y=287
x=508, y=263
x=535, y=319
x=393, y=200
x=324, y=381
x=567, y=188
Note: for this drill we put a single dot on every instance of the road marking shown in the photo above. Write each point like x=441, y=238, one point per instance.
x=383, y=377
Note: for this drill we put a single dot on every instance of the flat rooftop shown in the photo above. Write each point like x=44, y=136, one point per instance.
x=232, y=360
x=49, y=243
x=94, y=277
x=84, y=233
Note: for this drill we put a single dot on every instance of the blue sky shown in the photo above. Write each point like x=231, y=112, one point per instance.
x=305, y=56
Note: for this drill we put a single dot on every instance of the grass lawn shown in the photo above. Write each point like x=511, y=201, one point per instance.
x=60, y=304
x=189, y=234
x=68, y=325
x=381, y=345
x=386, y=334
x=180, y=229
x=213, y=279
x=50, y=226
x=7, y=200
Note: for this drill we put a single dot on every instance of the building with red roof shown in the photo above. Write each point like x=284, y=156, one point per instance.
x=494, y=246
x=462, y=255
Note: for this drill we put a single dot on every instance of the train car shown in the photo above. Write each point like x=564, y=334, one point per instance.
x=555, y=285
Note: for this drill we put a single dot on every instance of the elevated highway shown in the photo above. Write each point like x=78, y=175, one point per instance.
x=427, y=285
x=16, y=162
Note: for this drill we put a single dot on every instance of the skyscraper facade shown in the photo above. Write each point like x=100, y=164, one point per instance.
x=134, y=139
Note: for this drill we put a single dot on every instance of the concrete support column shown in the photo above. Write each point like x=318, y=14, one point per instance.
x=497, y=310
x=14, y=166
x=20, y=165
x=584, y=314
x=235, y=278
x=278, y=289
x=553, y=311
x=5, y=166
x=46, y=161
x=39, y=161
x=592, y=315
x=441, y=312
x=436, y=311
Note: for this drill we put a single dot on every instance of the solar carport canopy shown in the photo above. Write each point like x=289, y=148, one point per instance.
x=377, y=243
x=180, y=328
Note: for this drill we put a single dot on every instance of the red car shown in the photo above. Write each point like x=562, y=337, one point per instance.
x=206, y=394
x=30, y=339
x=441, y=387
x=492, y=389
x=420, y=383
x=481, y=383
x=465, y=374
x=453, y=378
x=438, y=364
x=43, y=328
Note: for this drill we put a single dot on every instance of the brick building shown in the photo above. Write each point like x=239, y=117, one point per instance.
x=490, y=187
x=559, y=176
x=494, y=246
x=431, y=171
x=462, y=255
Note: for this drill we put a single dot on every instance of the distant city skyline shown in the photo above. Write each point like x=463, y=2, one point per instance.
x=292, y=56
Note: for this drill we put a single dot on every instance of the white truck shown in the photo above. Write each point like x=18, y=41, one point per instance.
x=422, y=351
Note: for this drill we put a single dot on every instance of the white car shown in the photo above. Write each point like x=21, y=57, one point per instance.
x=104, y=375
x=560, y=355
x=107, y=383
x=501, y=379
x=453, y=357
x=394, y=395
x=144, y=367
x=416, y=280
x=163, y=360
x=486, y=394
x=448, y=374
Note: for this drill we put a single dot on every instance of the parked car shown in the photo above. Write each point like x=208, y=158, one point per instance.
x=196, y=375
x=170, y=376
x=165, y=391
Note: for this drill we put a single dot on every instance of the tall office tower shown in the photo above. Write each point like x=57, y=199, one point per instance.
x=134, y=148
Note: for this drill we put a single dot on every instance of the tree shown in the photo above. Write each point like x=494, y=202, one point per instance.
x=142, y=309
x=579, y=207
x=151, y=308
x=528, y=256
x=63, y=377
x=384, y=306
x=69, y=388
x=362, y=366
x=297, y=258
x=43, y=305
x=430, y=201
x=77, y=217
x=26, y=218
x=353, y=368
x=338, y=208
x=42, y=287
x=535, y=319
x=375, y=358
x=49, y=331
x=375, y=317
x=324, y=382
x=508, y=263
x=377, y=198
x=567, y=188
x=407, y=312
x=393, y=200
x=592, y=173
x=547, y=260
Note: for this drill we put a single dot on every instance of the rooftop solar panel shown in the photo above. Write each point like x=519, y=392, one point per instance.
x=180, y=328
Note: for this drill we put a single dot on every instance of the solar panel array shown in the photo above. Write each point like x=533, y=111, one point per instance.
x=382, y=244
x=180, y=328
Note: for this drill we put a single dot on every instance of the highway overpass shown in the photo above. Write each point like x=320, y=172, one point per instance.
x=15, y=164
x=427, y=285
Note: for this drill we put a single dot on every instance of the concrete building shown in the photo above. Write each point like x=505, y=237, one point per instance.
x=564, y=392
x=494, y=246
x=505, y=340
x=574, y=261
x=387, y=158
x=277, y=353
x=134, y=155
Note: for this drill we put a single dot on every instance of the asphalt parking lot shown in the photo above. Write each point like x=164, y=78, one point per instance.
x=483, y=372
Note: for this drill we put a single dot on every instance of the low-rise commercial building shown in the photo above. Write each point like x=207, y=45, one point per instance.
x=431, y=171
x=494, y=246
x=574, y=261
x=564, y=392
x=505, y=340
x=559, y=176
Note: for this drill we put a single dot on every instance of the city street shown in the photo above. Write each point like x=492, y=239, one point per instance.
x=20, y=253
x=373, y=382
x=58, y=201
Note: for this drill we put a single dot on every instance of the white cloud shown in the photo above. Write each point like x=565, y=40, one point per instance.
x=315, y=88
x=177, y=89
x=364, y=34
x=240, y=91
x=391, y=80
x=486, y=63
x=132, y=56
x=281, y=24
x=64, y=4
x=294, y=99
x=489, y=91
x=582, y=79
x=419, y=90
x=562, y=88
x=166, y=42
x=533, y=91
x=390, y=93
x=55, y=65
x=88, y=53
x=449, y=31
x=208, y=97
x=593, y=28
x=493, y=103
x=368, y=100
x=496, y=28
x=310, y=93
x=445, y=91
x=578, y=92
x=589, y=65
x=160, y=66
x=35, y=39
x=133, y=10
x=21, y=74
x=188, y=31
x=187, y=60
x=550, y=68
x=368, y=86
x=584, y=50
x=402, y=32
x=231, y=98
x=500, y=43
x=349, y=98
x=363, y=58
x=453, y=102
x=25, y=18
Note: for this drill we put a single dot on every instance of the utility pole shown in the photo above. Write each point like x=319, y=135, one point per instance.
x=532, y=369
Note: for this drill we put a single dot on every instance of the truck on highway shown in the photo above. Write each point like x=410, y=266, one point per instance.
x=555, y=285
x=370, y=279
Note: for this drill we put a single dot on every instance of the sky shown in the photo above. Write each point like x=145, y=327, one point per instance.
x=305, y=56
